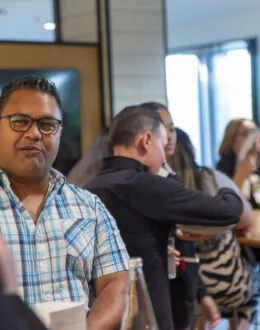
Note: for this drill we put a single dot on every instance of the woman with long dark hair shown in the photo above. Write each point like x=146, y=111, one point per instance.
x=186, y=287
x=227, y=275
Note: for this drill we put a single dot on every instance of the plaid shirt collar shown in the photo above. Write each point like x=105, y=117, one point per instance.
x=57, y=179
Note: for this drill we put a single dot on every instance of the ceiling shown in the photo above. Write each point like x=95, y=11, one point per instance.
x=179, y=11
x=25, y=19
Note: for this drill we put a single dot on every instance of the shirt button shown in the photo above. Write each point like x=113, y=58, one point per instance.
x=48, y=296
x=43, y=265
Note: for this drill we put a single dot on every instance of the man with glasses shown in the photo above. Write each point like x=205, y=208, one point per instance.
x=64, y=242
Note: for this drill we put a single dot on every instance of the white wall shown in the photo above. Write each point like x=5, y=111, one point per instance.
x=78, y=20
x=137, y=49
x=240, y=23
x=137, y=45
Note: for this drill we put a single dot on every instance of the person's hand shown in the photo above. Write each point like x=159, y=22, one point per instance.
x=243, y=232
x=176, y=254
x=191, y=237
x=248, y=165
x=8, y=282
x=210, y=310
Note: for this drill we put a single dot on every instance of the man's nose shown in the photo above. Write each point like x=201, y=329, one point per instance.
x=33, y=132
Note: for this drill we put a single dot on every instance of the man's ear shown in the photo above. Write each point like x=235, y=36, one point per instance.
x=145, y=140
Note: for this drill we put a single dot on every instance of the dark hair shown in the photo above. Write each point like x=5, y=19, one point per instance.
x=29, y=83
x=130, y=122
x=184, y=139
x=183, y=162
x=155, y=106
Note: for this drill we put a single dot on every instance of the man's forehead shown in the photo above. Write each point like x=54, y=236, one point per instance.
x=28, y=95
x=26, y=100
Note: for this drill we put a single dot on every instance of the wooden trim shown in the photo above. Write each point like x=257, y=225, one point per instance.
x=51, y=56
x=57, y=20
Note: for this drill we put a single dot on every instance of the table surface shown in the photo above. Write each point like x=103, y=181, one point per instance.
x=253, y=237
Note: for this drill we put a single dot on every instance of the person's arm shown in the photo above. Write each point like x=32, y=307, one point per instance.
x=107, y=311
x=246, y=218
x=246, y=167
x=109, y=276
x=168, y=201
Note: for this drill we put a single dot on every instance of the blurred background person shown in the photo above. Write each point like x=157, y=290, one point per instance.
x=244, y=173
x=227, y=275
x=146, y=206
x=186, y=286
x=91, y=162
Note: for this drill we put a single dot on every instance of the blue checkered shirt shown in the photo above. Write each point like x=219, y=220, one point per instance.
x=74, y=241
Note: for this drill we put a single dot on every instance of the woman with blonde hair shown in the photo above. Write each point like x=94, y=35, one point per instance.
x=241, y=172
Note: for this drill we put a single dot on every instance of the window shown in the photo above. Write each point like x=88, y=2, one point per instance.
x=206, y=88
x=27, y=20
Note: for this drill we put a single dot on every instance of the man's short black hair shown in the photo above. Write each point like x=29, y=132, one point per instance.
x=29, y=83
x=130, y=122
x=155, y=106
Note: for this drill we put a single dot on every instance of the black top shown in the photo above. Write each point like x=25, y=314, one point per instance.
x=144, y=205
x=16, y=315
x=227, y=164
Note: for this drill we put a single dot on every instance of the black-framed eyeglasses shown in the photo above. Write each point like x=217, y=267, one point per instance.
x=22, y=123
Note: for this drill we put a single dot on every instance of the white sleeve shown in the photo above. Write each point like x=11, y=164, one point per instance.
x=224, y=181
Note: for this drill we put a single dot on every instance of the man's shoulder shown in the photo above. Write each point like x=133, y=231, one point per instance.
x=132, y=182
x=82, y=196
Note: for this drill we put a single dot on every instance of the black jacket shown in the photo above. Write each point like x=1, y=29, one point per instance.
x=16, y=315
x=145, y=206
x=227, y=164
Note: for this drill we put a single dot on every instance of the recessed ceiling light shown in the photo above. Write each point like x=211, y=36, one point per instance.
x=49, y=26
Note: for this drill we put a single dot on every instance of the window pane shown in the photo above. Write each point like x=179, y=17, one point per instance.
x=26, y=20
x=231, y=88
x=183, y=96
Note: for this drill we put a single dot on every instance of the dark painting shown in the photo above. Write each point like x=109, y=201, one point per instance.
x=67, y=82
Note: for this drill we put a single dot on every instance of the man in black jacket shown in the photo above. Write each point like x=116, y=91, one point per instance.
x=14, y=313
x=145, y=205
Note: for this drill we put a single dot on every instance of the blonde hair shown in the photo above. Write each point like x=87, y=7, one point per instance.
x=230, y=133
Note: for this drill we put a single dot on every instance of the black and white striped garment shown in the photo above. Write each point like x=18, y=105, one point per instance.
x=228, y=277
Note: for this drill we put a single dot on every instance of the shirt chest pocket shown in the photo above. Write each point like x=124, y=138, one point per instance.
x=79, y=241
x=79, y=244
